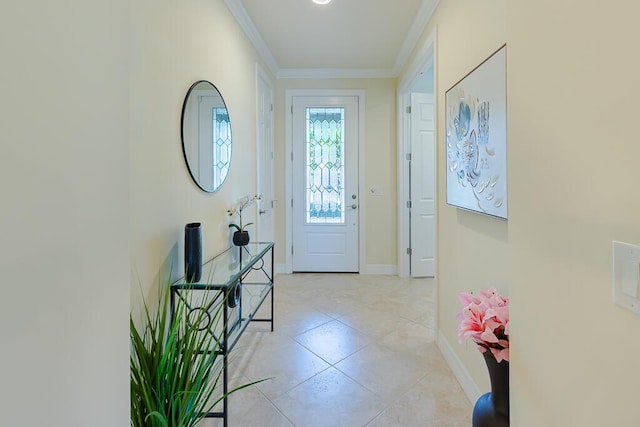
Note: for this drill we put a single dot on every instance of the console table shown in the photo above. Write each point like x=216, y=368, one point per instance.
x=239, y=279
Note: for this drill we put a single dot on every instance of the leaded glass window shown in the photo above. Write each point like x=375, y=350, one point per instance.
x=221, y=145
x=325, y=165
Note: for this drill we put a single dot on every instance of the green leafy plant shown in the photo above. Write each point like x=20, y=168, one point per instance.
x=176, y=363
x=242, y=204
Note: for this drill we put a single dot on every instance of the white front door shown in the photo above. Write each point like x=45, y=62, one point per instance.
x=423, y=186
x=325, y=183
x=265, y=224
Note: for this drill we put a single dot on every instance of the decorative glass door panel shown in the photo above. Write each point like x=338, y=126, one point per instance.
x=325, y=168
x=221, y=141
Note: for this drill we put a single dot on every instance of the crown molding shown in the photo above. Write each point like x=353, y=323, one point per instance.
x=420, y=23
x=334, y=73
x=242, y=17
x=415, y=32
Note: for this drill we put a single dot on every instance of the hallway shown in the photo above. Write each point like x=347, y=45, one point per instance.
x=347, y=350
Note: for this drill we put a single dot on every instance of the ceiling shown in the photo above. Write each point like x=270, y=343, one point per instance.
x=345, y=38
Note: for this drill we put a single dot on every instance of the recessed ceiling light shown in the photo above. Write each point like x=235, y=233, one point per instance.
x=321, y=1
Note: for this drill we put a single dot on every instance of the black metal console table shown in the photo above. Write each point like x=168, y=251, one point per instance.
x=237, y=282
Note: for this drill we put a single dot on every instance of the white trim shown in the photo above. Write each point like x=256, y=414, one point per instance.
x=261, y=74
x=239, y=12
x=404, y=101
x=289, y=94
x=335, y=73
x=469, y=386
x=425, y=57
x=417, y=28
x=281, y=269
x=242, y=17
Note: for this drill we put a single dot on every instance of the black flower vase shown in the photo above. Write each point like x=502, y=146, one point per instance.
x=241, y=238
x=492, y=409
x=192, y=252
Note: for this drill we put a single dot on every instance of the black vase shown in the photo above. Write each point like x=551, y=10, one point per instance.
x=192, y=252
x=241, y=238
x=492, y=409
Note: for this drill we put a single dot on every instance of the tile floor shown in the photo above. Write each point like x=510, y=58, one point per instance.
x=348, y=350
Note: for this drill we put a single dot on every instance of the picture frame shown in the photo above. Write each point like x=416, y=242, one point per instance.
x=476, y=138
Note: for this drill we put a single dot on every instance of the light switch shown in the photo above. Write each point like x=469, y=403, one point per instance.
x=376, y=190
x=630, y=278
x=626, y=276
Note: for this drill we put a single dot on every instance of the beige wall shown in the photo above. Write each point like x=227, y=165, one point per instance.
x=95, y=190
x=571, y=160
x=64, y=253
x=472, y=248
x=573, y=157
x=379, y=163
x=175, y=43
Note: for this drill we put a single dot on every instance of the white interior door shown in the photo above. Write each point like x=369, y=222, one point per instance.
x=423, y=186
x=325, y=183
x=265, y=223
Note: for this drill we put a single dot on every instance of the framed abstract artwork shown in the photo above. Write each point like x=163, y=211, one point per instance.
x=476, y=138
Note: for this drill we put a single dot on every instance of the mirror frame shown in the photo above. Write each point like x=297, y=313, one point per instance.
x=182, y=136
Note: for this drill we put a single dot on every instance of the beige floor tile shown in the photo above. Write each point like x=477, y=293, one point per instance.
x=283, y=360
x=329, y=399
x=333, y=341
x=387, y=373
x=294, y=319
x=379, y=334
x=375, y=323
x=409, y=337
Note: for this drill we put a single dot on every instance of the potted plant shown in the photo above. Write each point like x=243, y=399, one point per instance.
x=175, y=364
x=485, y=320
x=241, y=235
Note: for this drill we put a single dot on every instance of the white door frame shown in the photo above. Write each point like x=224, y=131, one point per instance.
x=425, y=57
x=261, y=75
x=289, y=94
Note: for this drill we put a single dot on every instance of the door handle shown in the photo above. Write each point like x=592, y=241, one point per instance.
x=262, y=211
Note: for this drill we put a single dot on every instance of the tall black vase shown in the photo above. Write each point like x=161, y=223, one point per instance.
x=192, y=252
x=492, y=409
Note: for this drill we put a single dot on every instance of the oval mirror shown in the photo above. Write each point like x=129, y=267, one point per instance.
x=206, y=136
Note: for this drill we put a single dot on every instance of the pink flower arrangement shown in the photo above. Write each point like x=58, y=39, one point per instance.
x=485, y=319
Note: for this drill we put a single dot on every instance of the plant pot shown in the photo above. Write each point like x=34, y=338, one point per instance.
x=492, y=409
x=192, y=252
x=241, y=238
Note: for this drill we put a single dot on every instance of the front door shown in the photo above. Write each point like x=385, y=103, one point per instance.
x=325, y=184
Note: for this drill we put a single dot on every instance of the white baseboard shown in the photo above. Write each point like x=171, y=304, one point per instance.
x=380, y=269
x=375, y=269
x=469, y=386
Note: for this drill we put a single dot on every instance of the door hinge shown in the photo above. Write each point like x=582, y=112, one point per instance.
x=409, y=110
x=292, y=110
x=408, y=156
x=291, y=156
x=291, y=202
x=272, y=204
x=409, y=204
x=409, y=251
x=271, y=107
x=291, y=249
